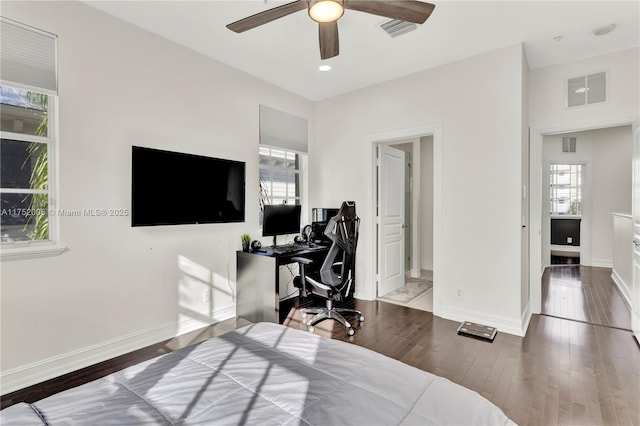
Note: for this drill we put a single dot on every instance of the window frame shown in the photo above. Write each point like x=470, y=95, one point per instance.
x=39, y=248
x=579, y=188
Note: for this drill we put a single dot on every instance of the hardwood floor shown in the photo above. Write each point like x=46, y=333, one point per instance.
x=562, y=372
x=584, y=293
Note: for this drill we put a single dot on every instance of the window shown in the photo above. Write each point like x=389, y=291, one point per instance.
x=24, y=195
x=280, y=181
x=565, y=189
x=27, y=141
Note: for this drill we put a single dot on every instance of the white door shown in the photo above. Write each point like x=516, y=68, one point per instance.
x=391, y=182
x=635, y=296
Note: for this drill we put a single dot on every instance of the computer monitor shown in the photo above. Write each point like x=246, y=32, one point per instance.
x=280, y=219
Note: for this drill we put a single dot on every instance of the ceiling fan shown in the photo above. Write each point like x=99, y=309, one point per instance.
x=327, y=12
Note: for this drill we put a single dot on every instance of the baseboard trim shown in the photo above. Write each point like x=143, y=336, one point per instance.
x=526, y=319
x=622, y=286
x=503, y=324
x=426, y=266
x=601, y=263
x=37, y=372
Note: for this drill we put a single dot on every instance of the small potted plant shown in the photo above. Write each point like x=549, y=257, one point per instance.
x=246, y=240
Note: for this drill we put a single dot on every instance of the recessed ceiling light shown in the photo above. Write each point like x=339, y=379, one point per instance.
x=604, y=30
x=324, y=67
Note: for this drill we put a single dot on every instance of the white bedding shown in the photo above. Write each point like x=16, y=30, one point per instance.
x=264, y=374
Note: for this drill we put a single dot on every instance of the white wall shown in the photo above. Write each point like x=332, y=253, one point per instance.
x=608, y=153
x=426, y=202
x=547, y=91
x=478, y=102
x=622, y=272
x=122, y=86
x=548, y=115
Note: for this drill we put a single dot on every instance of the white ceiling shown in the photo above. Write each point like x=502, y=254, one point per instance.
x=285, y=52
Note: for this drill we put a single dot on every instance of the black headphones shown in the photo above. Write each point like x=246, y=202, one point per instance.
x=306, y=233
x=256, y=245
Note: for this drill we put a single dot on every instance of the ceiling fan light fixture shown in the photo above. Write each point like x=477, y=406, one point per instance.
x=326, y=10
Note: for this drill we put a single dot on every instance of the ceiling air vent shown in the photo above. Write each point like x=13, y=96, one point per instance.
x=568, y=144
x=396, y=27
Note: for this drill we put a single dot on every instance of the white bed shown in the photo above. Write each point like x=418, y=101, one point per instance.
x=264, y=374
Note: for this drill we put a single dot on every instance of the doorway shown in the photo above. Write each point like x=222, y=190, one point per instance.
x=566, y=221
x=370, y=289
x=408, y=195
x=602, y=156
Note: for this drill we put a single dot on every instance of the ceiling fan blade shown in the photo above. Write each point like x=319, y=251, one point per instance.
x=267, y=16
x=329, y=46
x=404, y=10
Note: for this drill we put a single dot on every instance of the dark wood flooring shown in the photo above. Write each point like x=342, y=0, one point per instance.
x=584, y=293
x=562, y=372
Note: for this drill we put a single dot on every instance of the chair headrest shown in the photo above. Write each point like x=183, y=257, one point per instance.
x=347, y=211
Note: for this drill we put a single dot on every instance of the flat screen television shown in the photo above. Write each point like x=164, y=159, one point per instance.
x=281, y=219
x=174, y=188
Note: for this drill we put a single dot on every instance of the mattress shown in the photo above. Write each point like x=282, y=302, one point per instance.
x=264, y=374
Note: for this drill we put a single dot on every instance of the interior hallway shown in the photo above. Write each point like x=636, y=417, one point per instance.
x=584, y=293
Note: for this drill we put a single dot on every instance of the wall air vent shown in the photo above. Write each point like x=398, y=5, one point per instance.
x=397, y=27
x=587, y=89
x=568, y=144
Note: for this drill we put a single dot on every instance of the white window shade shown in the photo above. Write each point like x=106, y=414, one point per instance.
x=27, y=57
x=282, y=130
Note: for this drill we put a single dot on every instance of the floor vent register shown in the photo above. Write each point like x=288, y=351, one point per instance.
x=477, y=331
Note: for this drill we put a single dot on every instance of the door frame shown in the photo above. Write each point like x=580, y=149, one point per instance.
x=536, y=136
x=434, y=130
x=635, y=220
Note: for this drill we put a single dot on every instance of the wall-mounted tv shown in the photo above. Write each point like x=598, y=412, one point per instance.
x=173, y=188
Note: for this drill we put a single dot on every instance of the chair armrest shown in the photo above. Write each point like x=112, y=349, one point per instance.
x=318, y=284
x=302, y=260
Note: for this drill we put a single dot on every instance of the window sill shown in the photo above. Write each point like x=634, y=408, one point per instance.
x=29, y=251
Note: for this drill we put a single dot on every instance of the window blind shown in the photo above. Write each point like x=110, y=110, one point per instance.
x=27, y=57
x=282, y=130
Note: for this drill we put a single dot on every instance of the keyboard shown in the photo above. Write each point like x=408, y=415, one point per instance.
x=286, y=249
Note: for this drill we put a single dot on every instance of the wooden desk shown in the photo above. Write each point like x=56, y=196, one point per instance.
x=258, y=282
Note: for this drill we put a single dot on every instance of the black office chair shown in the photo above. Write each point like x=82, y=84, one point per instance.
x=337, y=274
